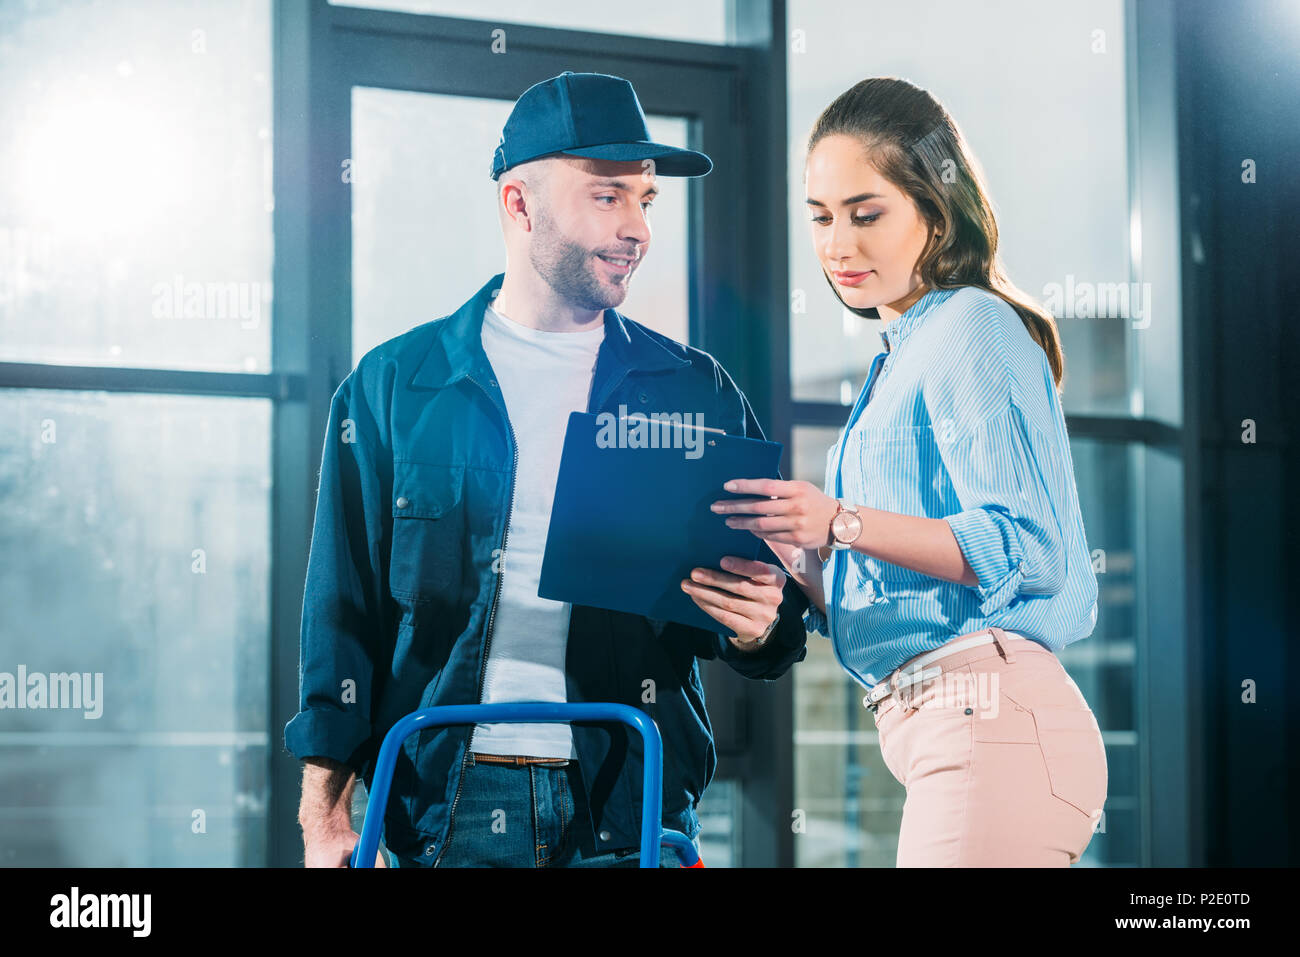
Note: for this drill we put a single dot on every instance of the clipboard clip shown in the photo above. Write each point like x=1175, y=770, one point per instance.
x=641, y=416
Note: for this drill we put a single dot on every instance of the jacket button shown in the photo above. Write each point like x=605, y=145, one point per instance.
x=428, y=851
x=604, y=835
x=403, y=501
x=643, y=397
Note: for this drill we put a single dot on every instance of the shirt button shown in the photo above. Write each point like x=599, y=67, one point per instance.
x=604, y=835
x=403, y=501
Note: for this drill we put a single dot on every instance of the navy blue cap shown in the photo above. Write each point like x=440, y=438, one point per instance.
x=587, y=114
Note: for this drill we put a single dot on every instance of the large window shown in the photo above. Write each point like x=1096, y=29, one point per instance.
x=692, y=20
x=135, y=268
x=135, y=208
x=425, y=233
x=1059, y=159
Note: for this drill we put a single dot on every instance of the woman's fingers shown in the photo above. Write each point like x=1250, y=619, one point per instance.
x=762, y=506
x=765, y=487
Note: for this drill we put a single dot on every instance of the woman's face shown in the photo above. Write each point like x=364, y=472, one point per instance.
x=868, y=235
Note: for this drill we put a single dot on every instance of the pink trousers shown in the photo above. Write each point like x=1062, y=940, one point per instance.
x=1001, y=756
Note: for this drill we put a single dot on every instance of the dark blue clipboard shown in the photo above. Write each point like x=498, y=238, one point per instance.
x=628, y=524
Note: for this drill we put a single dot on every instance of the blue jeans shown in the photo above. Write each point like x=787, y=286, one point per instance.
x=526, y=816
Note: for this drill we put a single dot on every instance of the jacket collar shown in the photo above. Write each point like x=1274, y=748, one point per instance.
x=897, y=331
x=458, y=350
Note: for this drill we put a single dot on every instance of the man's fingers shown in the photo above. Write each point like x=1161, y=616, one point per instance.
x=725, y=581
x=721, y=610
x=740, y=602
x=717, y=596
x=728, y=619
x=761, y=572
x=767, y=523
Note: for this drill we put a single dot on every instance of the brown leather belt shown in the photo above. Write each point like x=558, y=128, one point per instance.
x=516, y=759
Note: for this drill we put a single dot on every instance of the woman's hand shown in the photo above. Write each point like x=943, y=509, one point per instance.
x=790, y=513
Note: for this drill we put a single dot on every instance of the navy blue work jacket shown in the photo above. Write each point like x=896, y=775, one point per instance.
x=399, y=599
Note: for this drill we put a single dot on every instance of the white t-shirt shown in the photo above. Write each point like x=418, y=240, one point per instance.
x=544, y=376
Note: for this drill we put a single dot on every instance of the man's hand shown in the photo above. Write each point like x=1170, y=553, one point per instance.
x=332, y=847
x=325, y=814
x=744, y=596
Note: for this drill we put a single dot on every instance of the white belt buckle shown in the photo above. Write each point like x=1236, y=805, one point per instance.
x=915, y=680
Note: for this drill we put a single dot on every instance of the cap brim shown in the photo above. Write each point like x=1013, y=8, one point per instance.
x=669, y=160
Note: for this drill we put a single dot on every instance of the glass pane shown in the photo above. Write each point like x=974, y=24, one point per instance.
x=1055, y=155
x=134, y=553
x=1103, y=664
x=425, y=233
x=135, y=208
x=852, y=806
x=693, y=20
x=720, y=815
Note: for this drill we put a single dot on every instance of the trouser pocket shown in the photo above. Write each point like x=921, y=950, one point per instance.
x=1075, y=756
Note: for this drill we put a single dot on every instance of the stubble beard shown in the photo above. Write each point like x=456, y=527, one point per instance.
x=570, y=269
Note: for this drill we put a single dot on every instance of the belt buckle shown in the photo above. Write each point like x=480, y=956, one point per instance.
x=917, y=679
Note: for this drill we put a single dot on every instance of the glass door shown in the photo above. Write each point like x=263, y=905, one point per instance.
x=425, y=233
x=406, y=117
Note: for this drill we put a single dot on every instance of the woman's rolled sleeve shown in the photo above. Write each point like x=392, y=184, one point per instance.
x=1007, y=476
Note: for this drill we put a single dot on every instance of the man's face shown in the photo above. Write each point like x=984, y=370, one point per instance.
x=592, y=228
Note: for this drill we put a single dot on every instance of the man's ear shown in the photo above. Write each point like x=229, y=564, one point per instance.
x=514, y=203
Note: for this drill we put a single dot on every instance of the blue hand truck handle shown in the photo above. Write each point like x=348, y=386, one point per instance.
x=652, y=831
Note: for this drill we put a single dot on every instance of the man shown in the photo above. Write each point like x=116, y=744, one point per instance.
x=436, y=484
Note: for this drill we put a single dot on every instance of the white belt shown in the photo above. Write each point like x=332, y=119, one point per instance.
x=916, y=672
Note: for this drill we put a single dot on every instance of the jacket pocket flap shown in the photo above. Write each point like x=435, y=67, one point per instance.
x=421, y=490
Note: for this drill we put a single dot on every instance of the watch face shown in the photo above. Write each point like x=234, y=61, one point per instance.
x=846, y=527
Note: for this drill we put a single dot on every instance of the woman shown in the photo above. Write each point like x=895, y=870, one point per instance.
x=948, y=563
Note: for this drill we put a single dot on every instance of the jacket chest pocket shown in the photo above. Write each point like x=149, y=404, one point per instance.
x=428, y=548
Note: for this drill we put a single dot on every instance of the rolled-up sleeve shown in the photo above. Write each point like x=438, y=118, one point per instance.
x=1008, y=477
x=341, y=610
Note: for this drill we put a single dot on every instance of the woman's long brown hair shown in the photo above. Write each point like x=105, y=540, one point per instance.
x=912, y=141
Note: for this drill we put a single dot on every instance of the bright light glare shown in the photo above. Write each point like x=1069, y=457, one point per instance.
x=97, y=167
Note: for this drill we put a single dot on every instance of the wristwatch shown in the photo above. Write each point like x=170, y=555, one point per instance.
x=761, y=640
x=846, y=526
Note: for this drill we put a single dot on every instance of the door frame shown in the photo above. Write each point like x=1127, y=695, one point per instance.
x=729, y=95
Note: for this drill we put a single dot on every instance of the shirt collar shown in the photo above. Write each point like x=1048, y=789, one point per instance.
x=894, y=333
x=459, y=349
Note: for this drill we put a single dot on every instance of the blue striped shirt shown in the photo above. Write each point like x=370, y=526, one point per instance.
x=964, y=425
